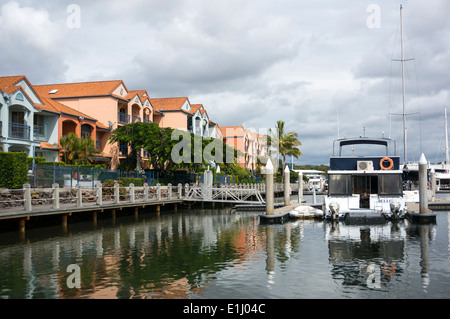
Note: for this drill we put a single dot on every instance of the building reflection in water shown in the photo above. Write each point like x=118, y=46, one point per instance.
x=178, y=255
x=170, y=256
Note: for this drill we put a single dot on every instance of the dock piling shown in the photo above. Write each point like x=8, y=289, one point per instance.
x=269, y=188
x=423, y=199
x=300, y=187
x=425, y=215
x=287, y=181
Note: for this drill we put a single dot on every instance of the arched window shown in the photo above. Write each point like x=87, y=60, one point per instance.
x=86, y=131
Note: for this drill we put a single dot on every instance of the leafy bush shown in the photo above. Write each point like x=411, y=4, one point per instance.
x=126, y=181
x=13, y=169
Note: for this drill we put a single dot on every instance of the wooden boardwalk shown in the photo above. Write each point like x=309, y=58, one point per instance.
x=43, y=210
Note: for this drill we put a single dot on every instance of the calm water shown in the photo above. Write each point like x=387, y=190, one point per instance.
x=221, y=253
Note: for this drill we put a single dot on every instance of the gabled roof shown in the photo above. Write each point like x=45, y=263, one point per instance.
x=142, y=94
x=169, y=103
x=237, y=131
x=9, y=84
x=96, y=88
x=61, y=108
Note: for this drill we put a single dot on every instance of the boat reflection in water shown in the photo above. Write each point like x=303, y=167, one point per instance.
x=374, y=256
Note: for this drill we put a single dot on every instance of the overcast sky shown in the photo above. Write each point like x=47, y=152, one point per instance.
x=324, y=67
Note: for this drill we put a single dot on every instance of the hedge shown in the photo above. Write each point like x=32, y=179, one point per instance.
x=126, y=181
x=13, y=169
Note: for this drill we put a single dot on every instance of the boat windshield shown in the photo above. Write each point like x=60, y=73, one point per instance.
x=364, y=185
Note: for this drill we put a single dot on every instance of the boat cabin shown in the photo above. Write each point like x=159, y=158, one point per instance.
x=364, y=182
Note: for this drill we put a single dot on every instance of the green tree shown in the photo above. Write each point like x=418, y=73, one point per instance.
x=284, y=143
x=171, y=149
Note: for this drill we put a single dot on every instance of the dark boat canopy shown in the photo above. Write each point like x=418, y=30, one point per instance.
x=364, y=140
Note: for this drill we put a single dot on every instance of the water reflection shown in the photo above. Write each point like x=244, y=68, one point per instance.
x=374, y=256
x=222, y=254
x=282, y=241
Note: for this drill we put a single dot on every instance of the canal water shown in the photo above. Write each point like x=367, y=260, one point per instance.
x=223, y=254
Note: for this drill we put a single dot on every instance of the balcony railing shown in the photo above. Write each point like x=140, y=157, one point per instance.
x=124, y=118
x=19, y=130
x=38, y=133
x=147, y=121
x=135, y=119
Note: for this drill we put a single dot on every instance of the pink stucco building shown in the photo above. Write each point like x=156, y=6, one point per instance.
x=109, y=101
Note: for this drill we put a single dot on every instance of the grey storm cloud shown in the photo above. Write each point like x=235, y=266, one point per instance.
x=324, y=67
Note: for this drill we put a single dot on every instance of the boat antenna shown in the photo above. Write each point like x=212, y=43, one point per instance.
x=446, y=139
x=403, y=60
x=403, y=87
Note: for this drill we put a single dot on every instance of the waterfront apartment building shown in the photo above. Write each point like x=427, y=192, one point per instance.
x=252, y=146
x=109, y=101
x=179, y=113
x=34, y=118
x=27, y=123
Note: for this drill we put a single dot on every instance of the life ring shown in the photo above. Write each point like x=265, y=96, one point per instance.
x=391, y=163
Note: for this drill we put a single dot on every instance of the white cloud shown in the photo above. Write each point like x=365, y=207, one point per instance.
x=317, y=65
x=29, y=42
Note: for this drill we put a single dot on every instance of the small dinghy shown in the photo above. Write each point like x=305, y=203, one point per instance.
x=304, y=211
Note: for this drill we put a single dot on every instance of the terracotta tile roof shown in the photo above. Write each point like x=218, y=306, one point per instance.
x=9, y=85
x=195, y=108
x=142, y=94
x=59, y=107
x=48, y=146
x=96, y=88
x=168, y=103
x=10, y=81
x=236, y=131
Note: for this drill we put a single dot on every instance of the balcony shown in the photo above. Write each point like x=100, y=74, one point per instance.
x=18, y=130
x=147, y=121
x=135, y=119
x=123, y=118
x=38, y=133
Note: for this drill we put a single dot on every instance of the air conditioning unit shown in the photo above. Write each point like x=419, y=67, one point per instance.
x=364, y=165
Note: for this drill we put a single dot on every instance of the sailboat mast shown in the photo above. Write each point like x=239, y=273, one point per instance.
x=405, y=154
x=446, y=140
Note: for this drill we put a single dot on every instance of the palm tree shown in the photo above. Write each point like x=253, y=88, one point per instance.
x=75, y=150
x=285, y=143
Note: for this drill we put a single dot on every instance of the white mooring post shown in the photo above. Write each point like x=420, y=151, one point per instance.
x=269, y=188
x=287, y=193
x=300, y=187
x=423, y=199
